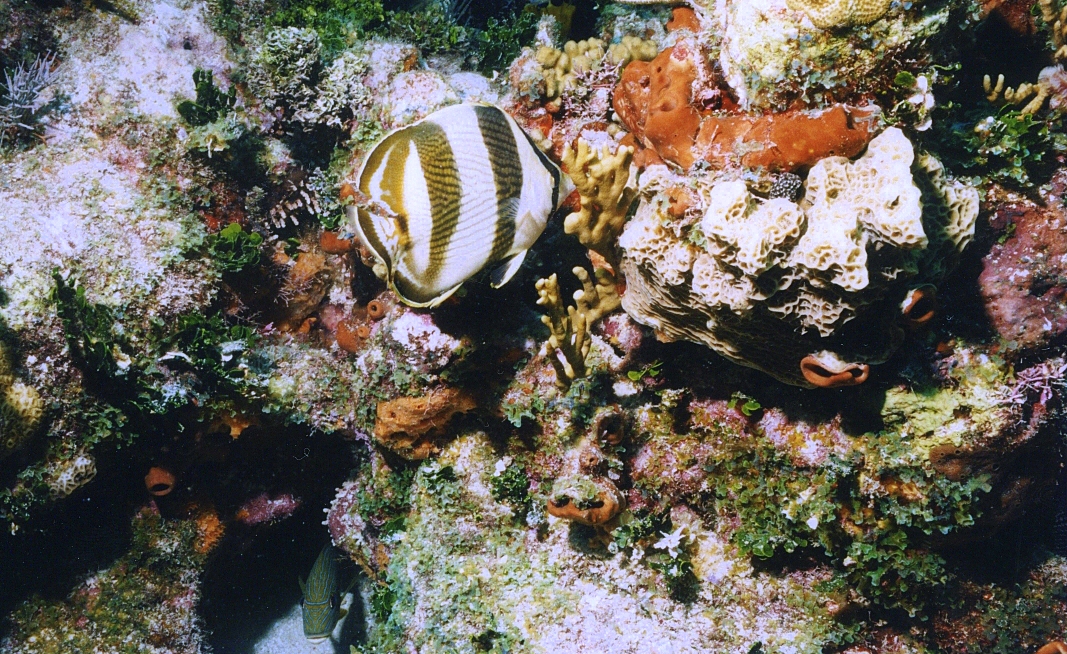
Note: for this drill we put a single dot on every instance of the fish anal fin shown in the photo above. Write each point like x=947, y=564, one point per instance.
x=507, y=270
x=405, y=294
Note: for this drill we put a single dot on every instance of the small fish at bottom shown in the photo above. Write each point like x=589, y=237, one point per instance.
x=321, y=604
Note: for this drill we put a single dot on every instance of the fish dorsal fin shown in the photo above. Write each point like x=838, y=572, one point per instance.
x=566, y=187
x=505, y=272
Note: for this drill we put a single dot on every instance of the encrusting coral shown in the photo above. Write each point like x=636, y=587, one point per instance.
x=800, y=291
x=832, y=14
x=21, y=408
x=568, y=344
x=68, y=475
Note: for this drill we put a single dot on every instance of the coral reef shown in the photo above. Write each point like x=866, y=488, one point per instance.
x=794, y=184
x=797, y=275
x=145, y=601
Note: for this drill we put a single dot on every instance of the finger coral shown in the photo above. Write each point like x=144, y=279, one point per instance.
x=787, y=287
x=561, y=68
x=602, y=180
x=568, y=344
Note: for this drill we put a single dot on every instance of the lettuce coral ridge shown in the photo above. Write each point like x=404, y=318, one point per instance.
x=774, y=281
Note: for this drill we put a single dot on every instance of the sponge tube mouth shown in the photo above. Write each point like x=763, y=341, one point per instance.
x=817, y=373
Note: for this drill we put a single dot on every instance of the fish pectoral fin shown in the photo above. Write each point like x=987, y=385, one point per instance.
x=341, y=614
x=507, y=270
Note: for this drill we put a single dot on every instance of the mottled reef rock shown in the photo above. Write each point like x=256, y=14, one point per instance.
x=828, y=416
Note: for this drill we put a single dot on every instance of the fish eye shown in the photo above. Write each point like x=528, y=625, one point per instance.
x=333, y=601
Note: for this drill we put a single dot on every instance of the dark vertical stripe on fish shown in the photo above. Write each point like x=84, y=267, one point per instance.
x=506, y=165
x=442, y=185
x=552, y=168
x=366, y=223
x=392, y=153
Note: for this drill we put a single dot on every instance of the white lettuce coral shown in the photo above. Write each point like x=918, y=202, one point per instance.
x=774, y=282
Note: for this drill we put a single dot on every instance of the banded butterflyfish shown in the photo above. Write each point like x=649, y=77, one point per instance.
x=462, y=190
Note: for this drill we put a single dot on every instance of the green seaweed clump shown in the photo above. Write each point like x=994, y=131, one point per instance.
x=333, y=20
x=210, y=104
x=433, y=30
x=1009, y=616
x=511, y=485
x=1010, y=147
x=89, y=329
x=502, y=39
x=870, y=515
x=234, y=249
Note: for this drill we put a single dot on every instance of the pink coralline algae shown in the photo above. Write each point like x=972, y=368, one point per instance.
x=263, y=508
x=1022, y=278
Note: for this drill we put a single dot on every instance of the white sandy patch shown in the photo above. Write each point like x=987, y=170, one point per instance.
x=150, y=63
x=70, y=207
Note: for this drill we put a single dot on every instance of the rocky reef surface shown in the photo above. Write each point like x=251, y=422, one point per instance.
x=784, y=374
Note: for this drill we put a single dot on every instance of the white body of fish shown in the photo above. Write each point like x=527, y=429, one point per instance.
x=459, y=191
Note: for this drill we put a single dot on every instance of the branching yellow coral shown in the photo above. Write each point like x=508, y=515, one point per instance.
x=602, y=181
x=561, y=68
x=1056, y=19
x=568, y=343
x=1057, y=22
x=830, y=14
x=1017, y=96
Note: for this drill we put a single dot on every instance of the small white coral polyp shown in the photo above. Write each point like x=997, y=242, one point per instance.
x=774, y=281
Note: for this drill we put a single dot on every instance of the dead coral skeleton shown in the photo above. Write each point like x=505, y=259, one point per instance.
x=568, y=344
x=20, y=106
x=1044, y=381
x=602, y=180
